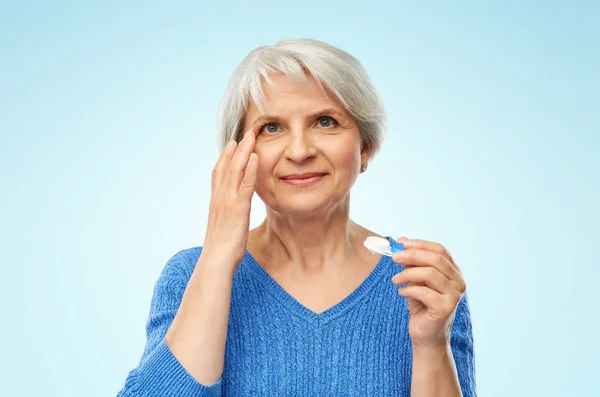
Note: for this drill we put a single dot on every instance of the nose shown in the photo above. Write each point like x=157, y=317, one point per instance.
x=300, y=146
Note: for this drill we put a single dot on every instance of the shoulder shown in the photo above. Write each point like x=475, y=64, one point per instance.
x=180, y=266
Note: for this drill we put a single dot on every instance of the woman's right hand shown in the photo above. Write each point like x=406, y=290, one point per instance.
x=232, y=187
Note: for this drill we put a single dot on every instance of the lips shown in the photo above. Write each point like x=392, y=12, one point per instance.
x=303, y=176
x=305, y=179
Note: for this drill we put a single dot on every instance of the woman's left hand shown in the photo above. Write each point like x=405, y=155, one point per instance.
x=435, y=287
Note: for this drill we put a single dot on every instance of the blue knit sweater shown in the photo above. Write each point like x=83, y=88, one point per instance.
x=277, y=347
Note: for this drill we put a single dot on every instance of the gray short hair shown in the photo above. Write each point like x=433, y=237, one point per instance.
x=330, y=66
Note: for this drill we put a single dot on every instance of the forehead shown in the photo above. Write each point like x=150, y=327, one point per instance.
x=285, y=95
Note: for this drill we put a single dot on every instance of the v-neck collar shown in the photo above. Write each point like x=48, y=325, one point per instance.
x=302, y=311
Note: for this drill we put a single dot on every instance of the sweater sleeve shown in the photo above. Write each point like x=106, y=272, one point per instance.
x=461, y=342
x=159, y=373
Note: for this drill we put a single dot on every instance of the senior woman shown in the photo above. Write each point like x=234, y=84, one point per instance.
x=298, y=306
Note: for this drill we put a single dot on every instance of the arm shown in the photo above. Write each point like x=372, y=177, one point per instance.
x=440, y=322
x=447, y=370
x=174, y=363
x=199, y=330
x=187, y=328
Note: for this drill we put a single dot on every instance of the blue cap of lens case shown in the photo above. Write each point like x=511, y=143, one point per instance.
x=379, y=245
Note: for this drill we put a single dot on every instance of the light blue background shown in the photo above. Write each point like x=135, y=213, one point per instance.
x=107, y=121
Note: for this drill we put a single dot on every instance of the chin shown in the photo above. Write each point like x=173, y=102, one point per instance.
x=305, y=205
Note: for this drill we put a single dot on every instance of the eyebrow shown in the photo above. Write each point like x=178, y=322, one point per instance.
x=322, y=112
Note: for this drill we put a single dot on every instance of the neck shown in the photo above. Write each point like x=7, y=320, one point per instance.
x=312, y=243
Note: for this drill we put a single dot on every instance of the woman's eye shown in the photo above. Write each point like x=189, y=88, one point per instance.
x=326, y=121
x=270, y=128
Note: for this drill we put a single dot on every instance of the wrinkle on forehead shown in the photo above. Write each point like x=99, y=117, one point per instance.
x=296, y=83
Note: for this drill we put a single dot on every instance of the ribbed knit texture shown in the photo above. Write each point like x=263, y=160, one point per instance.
x=277, y=347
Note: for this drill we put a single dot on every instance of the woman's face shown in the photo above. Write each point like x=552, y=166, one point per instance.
x=308, y=146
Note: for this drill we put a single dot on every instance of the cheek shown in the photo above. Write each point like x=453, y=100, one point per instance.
x=348, y=156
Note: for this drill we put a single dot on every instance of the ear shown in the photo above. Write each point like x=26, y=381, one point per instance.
x=365, y=153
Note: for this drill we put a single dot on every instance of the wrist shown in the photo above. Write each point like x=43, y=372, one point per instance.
x=434, y=371
x=215, y=266
x=431, y=350
x=431, y=359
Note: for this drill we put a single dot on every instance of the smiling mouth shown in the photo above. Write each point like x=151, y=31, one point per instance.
x=303, y=179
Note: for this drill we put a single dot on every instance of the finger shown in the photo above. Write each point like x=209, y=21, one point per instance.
x=427, y=276
x=237, y=165
x=431, y=246
x=222, y=164
x=426, y=245
x=249, y=182
x=430, y=298
x=422, y=258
